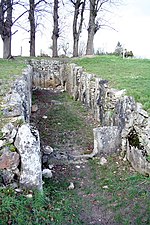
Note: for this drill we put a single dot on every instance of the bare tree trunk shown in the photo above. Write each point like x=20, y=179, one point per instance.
x=91, y=29
x=75, y=46
x=32, y=27
x=5, y=26
x=94, y=26
x=7, y=47
x=55, y=35
x=77, y=31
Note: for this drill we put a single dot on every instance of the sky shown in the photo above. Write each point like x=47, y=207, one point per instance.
x=131, y=23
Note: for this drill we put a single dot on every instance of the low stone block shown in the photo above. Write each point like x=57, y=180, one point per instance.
x=107, y=140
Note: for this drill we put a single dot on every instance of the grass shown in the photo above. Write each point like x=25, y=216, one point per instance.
x=127, y=194
x=130, y=74
x=9, y=68
x=64, y=123
x=57, y=205
x=126, y=197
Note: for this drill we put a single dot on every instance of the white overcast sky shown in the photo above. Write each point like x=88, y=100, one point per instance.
x=131, y=20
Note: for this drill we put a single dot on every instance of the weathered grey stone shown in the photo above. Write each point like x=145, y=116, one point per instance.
x=71, y=186
x=47, y=150
x=28, y=145
x=106, y=140
x=34, y=108
x=45, y=159
x=9, y=160
x=18, y=101
x=103, y=161
x=46, y=73
x=7, y=129
x=138, y=160
x=9, y=132
x=8, y=176
x=13, y=106
x=141, y=111
x=2, y=143
x=47, y=173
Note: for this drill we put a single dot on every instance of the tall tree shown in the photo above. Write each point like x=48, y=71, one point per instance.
x=32, y=26
x=55, y=34
x=37, y=9
x=79, y=6
x=94, y=25
x=5, y=26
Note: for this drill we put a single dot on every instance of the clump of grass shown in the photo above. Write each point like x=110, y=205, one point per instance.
x=11, y=147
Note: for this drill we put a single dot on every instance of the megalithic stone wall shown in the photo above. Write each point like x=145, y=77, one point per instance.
x=110, y=107
x=114, y=110
x=20, y=156
x=46, y=73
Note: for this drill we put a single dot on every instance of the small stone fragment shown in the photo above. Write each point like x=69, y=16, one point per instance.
x=125, y=159
x=77, y=166
x=44, y=117
x=1, y=143
x=29, y=196
x=34, y=108
x=7, y=176
x=103, y=161
x=105, y=187
x=50, y=167
x=18, y=190
x=48, y=150
x=71, y=186
x=47, y=173
x=7, y=129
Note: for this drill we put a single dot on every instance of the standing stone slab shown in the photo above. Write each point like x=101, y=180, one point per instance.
x=106, y=140
x=138, y=161
x=28, y=145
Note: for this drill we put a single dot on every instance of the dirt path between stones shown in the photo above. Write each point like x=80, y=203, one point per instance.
x=67, y=126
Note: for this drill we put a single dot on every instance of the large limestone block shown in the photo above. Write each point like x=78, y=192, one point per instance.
x=138, y=160
x=106, y=140
x=28, y=145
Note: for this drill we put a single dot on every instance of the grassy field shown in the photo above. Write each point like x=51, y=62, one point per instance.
x=9, y=68
x=130, y=74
